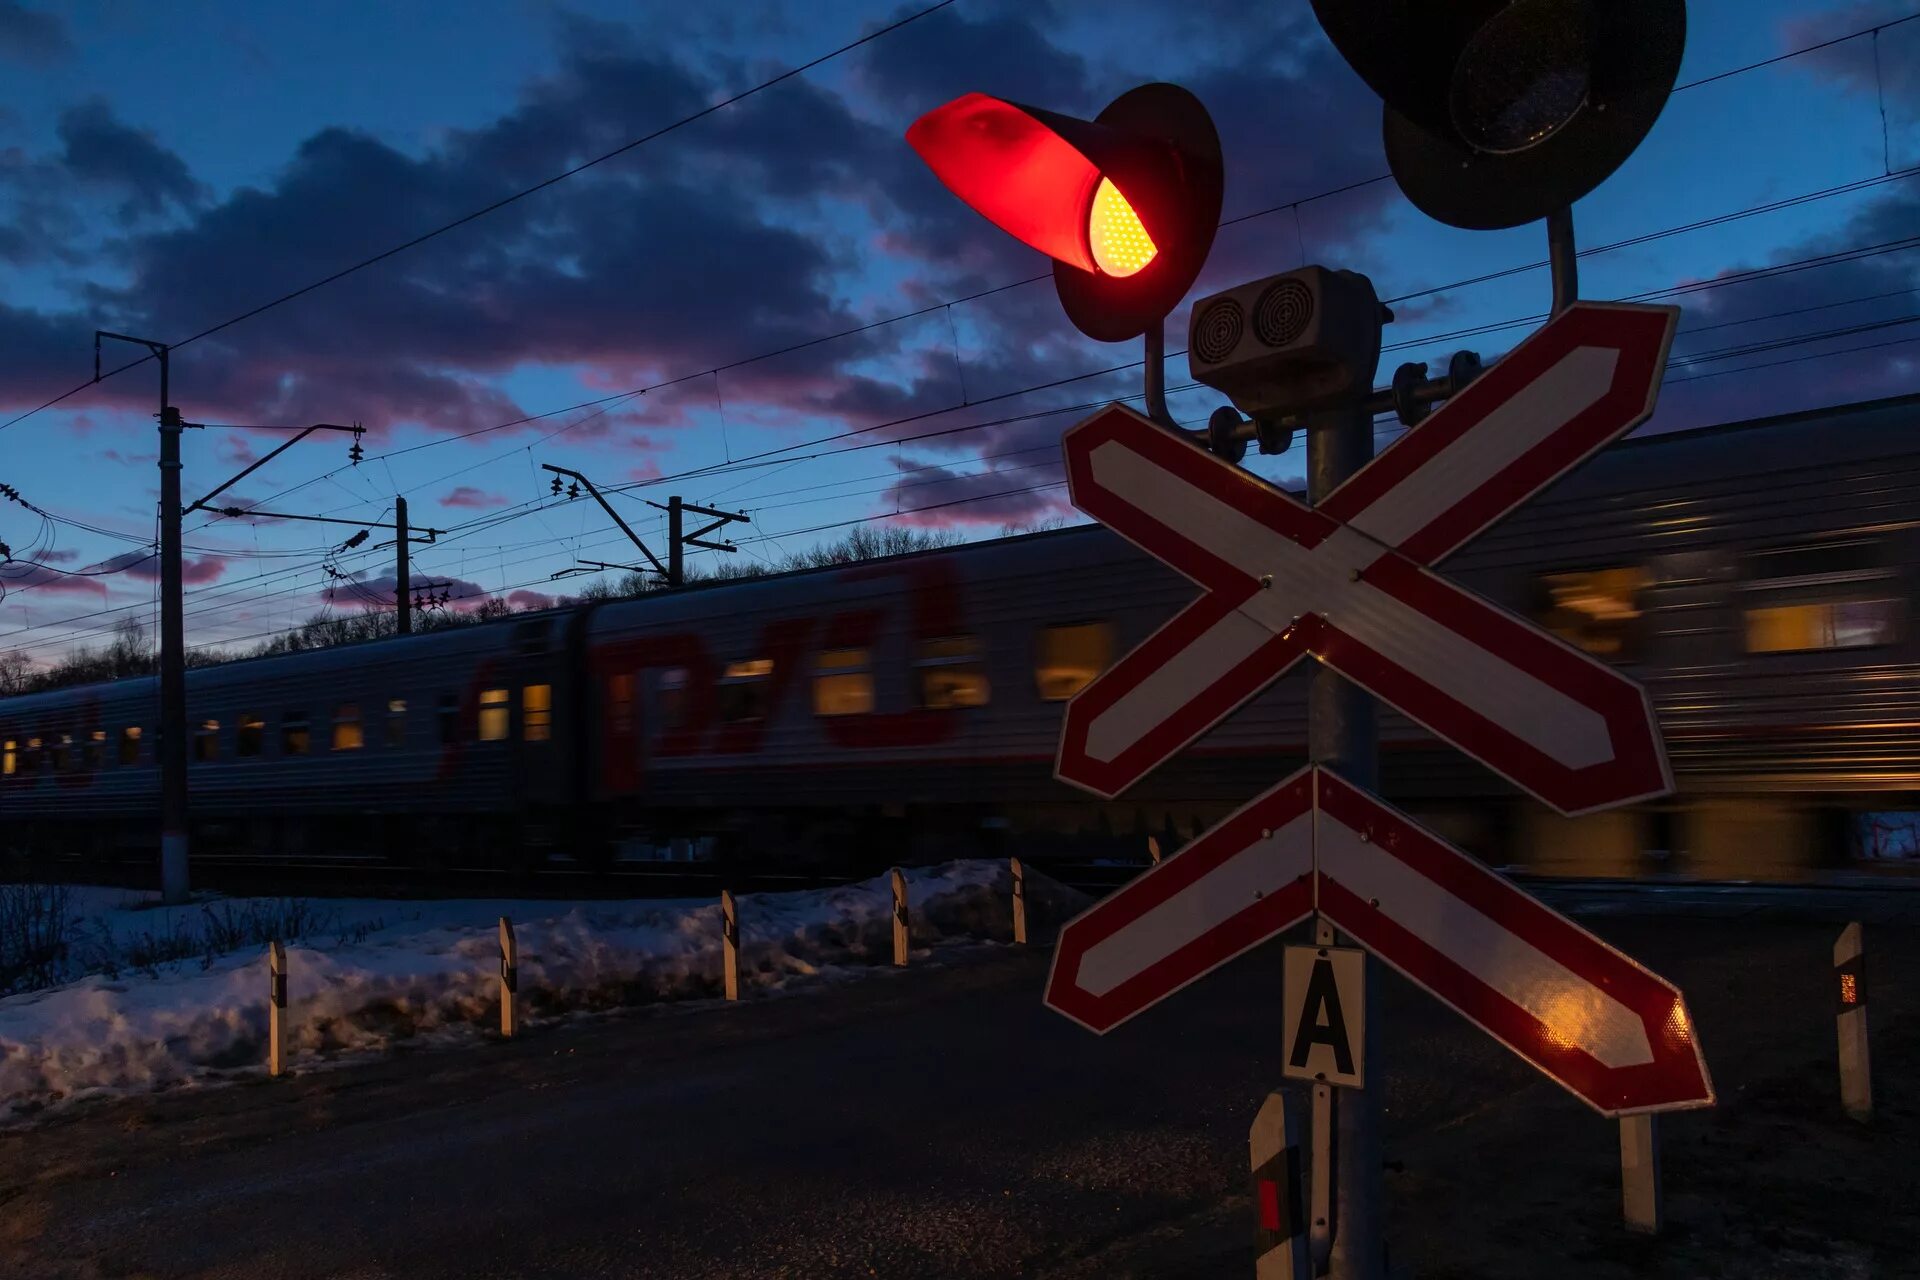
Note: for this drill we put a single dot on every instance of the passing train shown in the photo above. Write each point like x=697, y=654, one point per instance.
x=1757, y=576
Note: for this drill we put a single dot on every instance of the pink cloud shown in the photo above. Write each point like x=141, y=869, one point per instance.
x=467, y=496
x=530, y=600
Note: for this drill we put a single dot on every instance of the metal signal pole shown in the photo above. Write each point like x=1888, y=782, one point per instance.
x=174, y=881
x=1343, y=734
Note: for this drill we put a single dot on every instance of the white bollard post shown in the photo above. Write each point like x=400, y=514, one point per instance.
x=1019, y=904
x=730, y=942
x=1153, y=850
x=899, y=918
x=276, y=1009
x=1280, y=1215
x=509, y=978
x=1640, y=1174
x=1850, y=1016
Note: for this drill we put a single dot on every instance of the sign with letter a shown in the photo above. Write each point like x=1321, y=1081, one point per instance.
x=1325, y=1002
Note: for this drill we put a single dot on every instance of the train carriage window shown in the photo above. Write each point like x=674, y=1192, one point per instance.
x=59, y=751
x=843, y=683
x=670, y=697
x=1835, y=595
x=620, y=703
x=1597, y=610
x=1822, y=624
x=295, y=737
x=952, y=673
x=449, y=718
x=347, y=735
x=1067, y=658
x=536, y=712
x=130, y=744
x=93, y=748
x=494, y=714
x=206, y=741
x=744, y=690
x=36, y=754
x=396, y=722
x=250, y=735
x=9, y=758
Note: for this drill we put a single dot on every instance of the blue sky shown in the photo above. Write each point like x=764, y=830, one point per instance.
x=165, y=168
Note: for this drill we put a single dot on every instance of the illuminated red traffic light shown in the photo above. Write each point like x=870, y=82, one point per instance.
x=1126, y=204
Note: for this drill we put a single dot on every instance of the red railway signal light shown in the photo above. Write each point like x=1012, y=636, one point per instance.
x=1125, y=204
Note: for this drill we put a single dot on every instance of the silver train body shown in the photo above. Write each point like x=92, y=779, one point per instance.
x=1757, y=576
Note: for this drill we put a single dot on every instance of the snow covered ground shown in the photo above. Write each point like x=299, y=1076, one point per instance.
x=373, y=972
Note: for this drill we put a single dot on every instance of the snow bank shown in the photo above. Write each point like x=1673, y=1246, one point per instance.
x=402, y=970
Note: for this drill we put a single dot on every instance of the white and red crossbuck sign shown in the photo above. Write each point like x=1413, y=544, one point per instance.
x=1349, y=581
x=1614, y=1034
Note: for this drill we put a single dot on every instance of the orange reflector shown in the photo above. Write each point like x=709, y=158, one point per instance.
x=1121, y=246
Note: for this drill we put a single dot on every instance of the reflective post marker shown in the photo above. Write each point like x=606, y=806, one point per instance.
x=899, y=918
x=730, y=942
x=1153, y=850
x=1640, y=1173
x=509, y=978
x=1019, y=903
x=276, y=1009
x=1850, y=1011
x=1280, y=1228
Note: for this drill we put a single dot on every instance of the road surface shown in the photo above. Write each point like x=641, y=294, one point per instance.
x=940, y=1122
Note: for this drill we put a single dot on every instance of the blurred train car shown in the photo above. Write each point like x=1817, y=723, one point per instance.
x=1757, y=576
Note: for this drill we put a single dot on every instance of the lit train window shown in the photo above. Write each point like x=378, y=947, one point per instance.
x=396, y=722
x=9, y=758
x=1068, y=658
x=536, y=712
x=346, y=727
x=952, y=673
x=1596, y=609
x=1822, y=624
x=130, y=744
x=294, y=736
x=250, y=735
x=744, y=690
x=493, y=715
x=93, y=748
x=842, y=683
x=206, y=741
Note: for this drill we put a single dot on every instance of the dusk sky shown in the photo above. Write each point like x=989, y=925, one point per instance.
x=164, y=168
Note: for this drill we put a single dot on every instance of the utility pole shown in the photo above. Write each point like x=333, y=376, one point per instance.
x=674, y=572
x=174, y=881
x=401, y=584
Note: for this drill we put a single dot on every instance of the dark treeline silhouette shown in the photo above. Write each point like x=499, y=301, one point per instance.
x=131, y=652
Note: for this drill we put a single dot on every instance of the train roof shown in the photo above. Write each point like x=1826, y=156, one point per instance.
x=1876, y=428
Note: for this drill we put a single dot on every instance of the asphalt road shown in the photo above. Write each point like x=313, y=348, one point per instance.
x=940, y=1122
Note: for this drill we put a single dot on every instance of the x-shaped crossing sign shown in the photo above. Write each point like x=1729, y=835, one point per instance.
x=1350, y=582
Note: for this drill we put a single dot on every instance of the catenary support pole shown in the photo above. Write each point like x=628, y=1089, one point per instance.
x=1640, y=1197
x=1019, y=903
x=174, y=880
x=1850, y=979
x=402, y=586
x=899, y=917
x=1342, y=734
x=676, y=550
x=730, y=943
